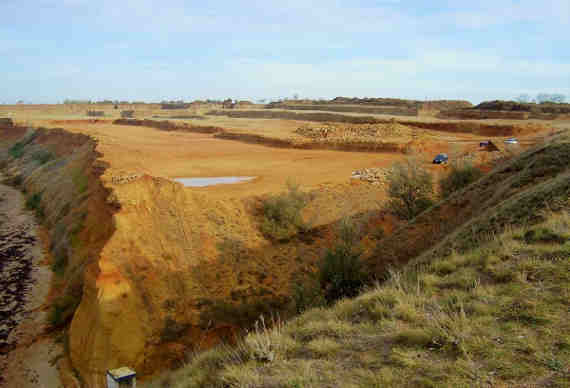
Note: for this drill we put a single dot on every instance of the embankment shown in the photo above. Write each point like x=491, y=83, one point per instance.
x=287, y=115
x=476, y=128
x=354, y=146
x=514, y=193
x=59, y=173
x=482, y=114
x=168, y=125
x=377, y=110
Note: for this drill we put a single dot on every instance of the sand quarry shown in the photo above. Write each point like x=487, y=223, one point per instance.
x=151, y=278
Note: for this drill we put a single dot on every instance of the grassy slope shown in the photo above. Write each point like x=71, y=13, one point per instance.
x=495, y=314
x=511, y=194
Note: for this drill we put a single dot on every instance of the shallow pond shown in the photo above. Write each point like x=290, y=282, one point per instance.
x=220, y=180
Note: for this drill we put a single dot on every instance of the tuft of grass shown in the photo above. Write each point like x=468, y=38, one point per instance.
x=80, y=181
x=324, y=347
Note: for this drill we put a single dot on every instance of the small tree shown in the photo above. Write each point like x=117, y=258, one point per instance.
x=282, y=213
x=341, y=272
x=462, y=174
x=410, y=189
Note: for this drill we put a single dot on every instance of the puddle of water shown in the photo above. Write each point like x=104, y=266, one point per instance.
x=220, y=180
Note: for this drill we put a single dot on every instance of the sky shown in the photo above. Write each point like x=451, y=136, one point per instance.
x=147, y=50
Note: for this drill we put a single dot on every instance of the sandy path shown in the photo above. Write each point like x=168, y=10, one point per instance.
x=25, y=352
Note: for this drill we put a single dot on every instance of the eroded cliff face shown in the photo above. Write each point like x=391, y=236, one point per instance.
x=175, y=259
x=147, y=270
x=59, y=174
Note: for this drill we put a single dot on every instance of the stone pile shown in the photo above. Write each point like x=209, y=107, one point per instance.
x=365, y=131
x=122, y=179
x=374, y=175
x=316, y=133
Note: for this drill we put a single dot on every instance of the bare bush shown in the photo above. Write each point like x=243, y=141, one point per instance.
x=410, y=188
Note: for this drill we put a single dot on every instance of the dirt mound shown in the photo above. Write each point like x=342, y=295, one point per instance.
x=318, y=117
x=476, y=128
x=483, y=114
x=435, y=104
x=384, y=110
x=510, y=110
x=79, y=122
x=391, y=106
x=168, y=125
x=333, y=143
x=547, y=107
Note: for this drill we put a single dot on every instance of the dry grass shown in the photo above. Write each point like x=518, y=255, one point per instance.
x=493, y=316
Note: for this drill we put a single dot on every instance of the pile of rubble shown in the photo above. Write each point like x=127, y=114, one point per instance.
x=377, y=131
x=316, y=133
x=374, y=175
x=122, y=179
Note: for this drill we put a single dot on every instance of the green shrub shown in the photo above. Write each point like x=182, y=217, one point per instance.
x=17, y=150
x=34, y=203
x=282, y=213
x=172, y=330
x=307, y=294
x=542, y=235
x=341, y=273
x=42, y=157
x=461, y=175
x=410, y=189
x=60, y=262
x=63, y=309
x=80, y=181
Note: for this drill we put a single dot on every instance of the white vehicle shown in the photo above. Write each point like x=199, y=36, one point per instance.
x=512, y=140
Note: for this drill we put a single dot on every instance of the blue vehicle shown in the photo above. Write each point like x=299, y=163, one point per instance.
x=440, y=159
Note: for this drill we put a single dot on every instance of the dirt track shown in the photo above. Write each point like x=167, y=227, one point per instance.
x=25, y=352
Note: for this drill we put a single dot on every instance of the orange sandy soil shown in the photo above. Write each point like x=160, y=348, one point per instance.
x=138, y=150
